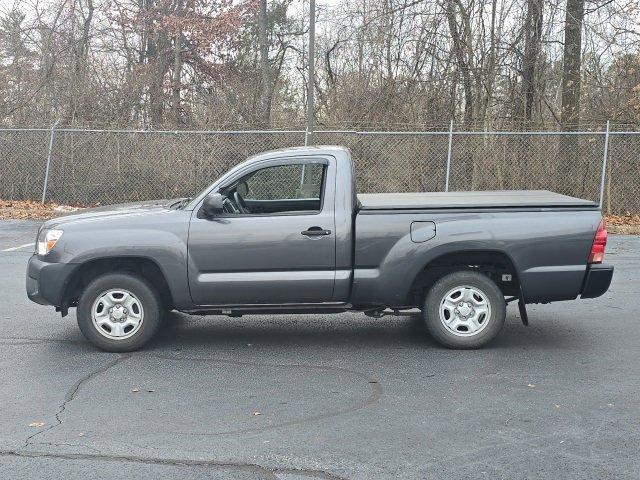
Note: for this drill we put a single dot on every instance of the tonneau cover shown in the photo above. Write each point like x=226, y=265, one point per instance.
x=484, y=199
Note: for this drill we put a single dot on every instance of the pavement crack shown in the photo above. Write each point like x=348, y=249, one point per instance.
x=251, y=467
x=309, y=473
x=64, y=444
x=71, y=395
x=374, y=386
x=37, y=341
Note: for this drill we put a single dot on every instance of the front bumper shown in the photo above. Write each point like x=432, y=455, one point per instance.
x=46, y=282
x=596, y=281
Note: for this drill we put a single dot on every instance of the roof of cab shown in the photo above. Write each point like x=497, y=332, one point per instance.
x=335, y=150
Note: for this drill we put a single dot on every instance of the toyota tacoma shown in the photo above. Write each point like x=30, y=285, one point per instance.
x=286, y=232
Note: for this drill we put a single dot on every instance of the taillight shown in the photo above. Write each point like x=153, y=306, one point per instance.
x=599, y=242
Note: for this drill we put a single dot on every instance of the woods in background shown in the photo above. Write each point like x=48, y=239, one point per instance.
x=384, y=64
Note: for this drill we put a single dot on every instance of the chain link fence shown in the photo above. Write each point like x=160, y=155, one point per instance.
x=109, y=166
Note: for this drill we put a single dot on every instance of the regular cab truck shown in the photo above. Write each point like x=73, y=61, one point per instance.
x=285, y=232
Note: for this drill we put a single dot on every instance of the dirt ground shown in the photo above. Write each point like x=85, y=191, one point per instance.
x=628, y=223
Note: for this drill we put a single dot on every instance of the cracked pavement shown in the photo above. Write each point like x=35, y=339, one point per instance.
x=303, y=396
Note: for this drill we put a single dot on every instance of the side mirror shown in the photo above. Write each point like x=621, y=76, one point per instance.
x=212, y=205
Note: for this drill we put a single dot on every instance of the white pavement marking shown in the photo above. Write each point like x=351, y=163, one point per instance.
x=13, y=249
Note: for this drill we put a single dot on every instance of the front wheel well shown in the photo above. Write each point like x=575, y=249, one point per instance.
x=141, y=266
x=495, y=264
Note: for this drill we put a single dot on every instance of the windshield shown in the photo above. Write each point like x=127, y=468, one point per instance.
x=190, y=203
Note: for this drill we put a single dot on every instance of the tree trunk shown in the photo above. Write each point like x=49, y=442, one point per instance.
x=154, y=87
x=265, y=67
x=525, y=106
x=570, y=158
x=157, y=55
x=532, y=38
x=570, y=114
x=176, y=83
x=176, y=80
x=78, y=107
x=462, y=61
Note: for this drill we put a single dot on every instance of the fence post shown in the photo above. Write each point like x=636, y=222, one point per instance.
x=46, y=173
x=604, y=164
x=449, y=149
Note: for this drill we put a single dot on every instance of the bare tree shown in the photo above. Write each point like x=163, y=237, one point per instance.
x=532, y=45
x=571, y=69
x=463, y=50
x=388, y=64
x=265, y=66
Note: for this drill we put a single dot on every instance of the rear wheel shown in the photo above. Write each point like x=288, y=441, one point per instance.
x=119, y=312
x=464, y=310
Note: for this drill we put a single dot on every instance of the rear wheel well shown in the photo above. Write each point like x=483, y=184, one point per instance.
x=496, y=265
x=143, y=267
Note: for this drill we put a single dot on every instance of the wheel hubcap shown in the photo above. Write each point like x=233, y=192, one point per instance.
x=465, y=311
x=117, y=314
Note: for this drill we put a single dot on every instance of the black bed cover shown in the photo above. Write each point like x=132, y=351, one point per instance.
x=483, y=199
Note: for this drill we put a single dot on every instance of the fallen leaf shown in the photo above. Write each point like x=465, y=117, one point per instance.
x=627, y=218
x=81, y=434
x=36, y=424
x=28, y=209
x=255, y=414
x=150, y=391
x=531, y=385
x=135, y=390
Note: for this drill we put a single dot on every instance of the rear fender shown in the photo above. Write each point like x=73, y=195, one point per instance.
x=391, y=283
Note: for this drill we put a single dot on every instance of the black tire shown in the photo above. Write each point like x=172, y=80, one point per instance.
x=146, y=295
x=464, y=340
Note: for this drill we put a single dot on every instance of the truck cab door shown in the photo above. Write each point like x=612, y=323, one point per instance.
x=275, y=241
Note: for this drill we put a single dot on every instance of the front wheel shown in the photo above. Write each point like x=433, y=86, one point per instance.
x=119, y=312
x=464, y=310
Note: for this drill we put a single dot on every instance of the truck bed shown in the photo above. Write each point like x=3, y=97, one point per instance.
x=483, y=199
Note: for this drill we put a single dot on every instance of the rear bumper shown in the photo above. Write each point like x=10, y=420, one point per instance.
x=46, y=281
x=596, y=281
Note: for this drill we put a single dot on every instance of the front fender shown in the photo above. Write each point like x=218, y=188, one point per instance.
x=163, y=242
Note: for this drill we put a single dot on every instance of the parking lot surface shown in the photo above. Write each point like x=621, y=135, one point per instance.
x=313, y=396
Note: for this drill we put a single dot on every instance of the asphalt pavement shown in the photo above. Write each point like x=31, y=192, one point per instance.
x=318, y=396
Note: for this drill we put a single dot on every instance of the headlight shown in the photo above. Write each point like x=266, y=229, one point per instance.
x=47, y=240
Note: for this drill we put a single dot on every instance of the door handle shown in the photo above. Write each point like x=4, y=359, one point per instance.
x=315, y=232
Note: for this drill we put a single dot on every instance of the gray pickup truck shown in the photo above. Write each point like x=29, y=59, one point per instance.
x=285, y=232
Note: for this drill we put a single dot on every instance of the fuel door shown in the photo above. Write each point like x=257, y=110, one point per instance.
x=422, y=231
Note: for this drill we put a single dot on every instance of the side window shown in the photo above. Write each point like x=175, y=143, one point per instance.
x=281, y=189
x=286, y=182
